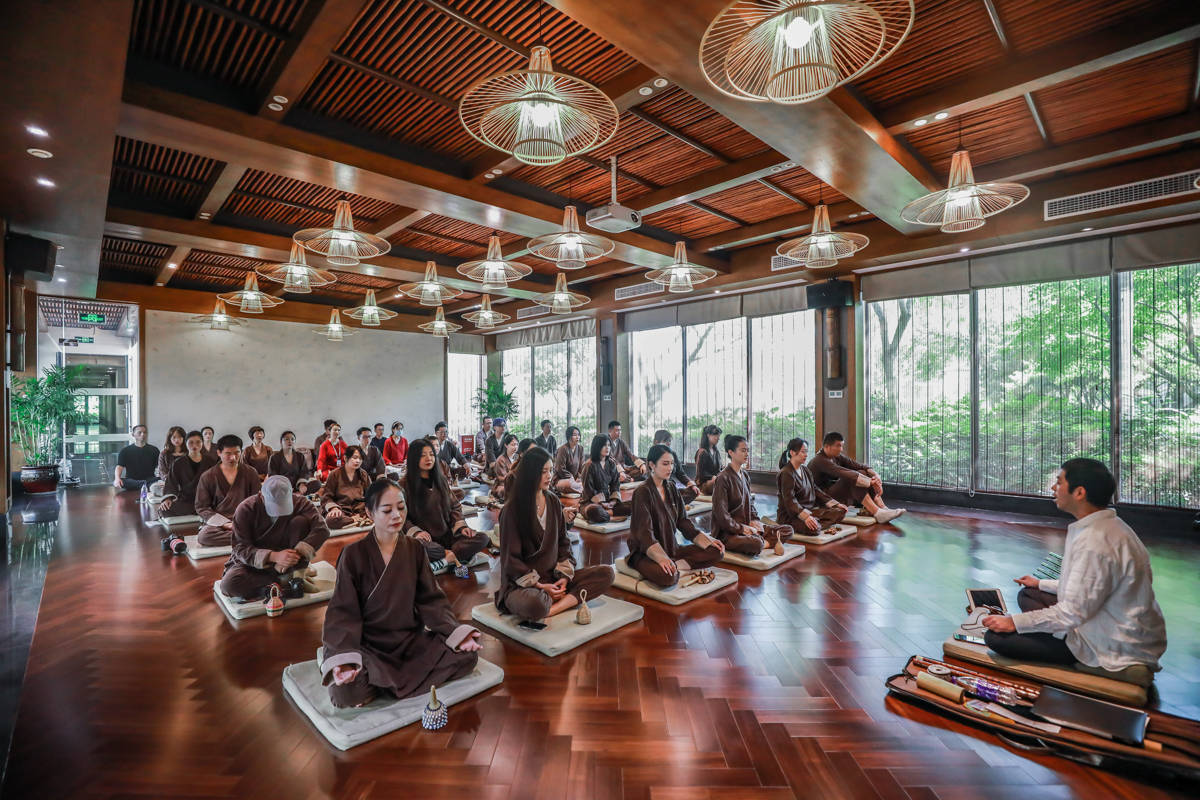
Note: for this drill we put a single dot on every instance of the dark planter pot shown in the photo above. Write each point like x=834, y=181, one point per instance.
x=39, y=480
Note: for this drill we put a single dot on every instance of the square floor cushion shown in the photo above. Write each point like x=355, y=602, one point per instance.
x=840, y=532
x=324, y=580
x=479, y=560
x=632, y=581
x=764, y=560
x=602, y=527
x=177, y=521
x=197, y=551
x=349, y=727
x=562, y=633
x=349, y=530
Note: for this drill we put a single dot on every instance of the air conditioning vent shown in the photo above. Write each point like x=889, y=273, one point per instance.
x=637, y=290
x=1127, y=194
x=784, y=262
x=531, y=311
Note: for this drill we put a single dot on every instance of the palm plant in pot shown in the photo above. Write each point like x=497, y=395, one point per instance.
x=492, y=401
x=38, y=409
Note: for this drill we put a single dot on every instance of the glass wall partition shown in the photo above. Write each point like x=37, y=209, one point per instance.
x=555, y=382
x=517, y=374
x=464, y=379
x=716, y=379
x=783, y=384
x=656, y=386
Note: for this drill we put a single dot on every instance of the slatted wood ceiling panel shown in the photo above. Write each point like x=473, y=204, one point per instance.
x=428, y=234
x=1154, y=86
x=752, y=202
x=269, y=194
x=809, y=187
x=130, y=260
x=688, y=222
x=1035, y=24
x=187, y=36
x=949, y=37
x=59, y=312
x=420, y=45
x=685, y=113
x=1002, y=131
x=168, y=176
x=221, y=270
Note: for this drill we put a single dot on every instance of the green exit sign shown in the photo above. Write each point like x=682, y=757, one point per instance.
x=95, y=319
x=85, y=339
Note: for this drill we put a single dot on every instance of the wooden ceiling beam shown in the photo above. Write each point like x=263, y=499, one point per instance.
x=1019, y=75
x=711, y=181
x=391, y=224
x=171, y=264
x=783, y=225
x=223, y=184
x=195, y=126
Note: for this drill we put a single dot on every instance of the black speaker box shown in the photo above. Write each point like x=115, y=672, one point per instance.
x=830, y=294
x=30, y=255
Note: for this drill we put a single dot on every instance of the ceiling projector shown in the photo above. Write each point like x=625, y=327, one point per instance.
x=614, y=217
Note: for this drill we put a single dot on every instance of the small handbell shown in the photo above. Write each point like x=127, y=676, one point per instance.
x=779, y=546
x=584, y=615
x=435, y=715
x=274, y=604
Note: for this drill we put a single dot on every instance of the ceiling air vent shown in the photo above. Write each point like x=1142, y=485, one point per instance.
x=531, y=311
x=784, y=262
x=1127, y=194
x=637, y=290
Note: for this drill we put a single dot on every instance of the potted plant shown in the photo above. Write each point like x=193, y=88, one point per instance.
x=39, y=408
x=492, y=401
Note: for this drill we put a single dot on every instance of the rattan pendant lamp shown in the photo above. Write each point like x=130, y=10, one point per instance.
x=795, y=51
x=218, y=320
x=341, y=244
x=439, y=327
x=370, y=313
x=822, y=247
x=493, y=270
x=964, y=204
x=296, y=275
x=570, y=248
x=336, y=330
x=485, y=318
x=249, y=299
x=430, y=291
x=681, y=276
x=561, y=300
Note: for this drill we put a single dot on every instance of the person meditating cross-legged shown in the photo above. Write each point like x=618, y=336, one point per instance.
x=221, y=490
x=290, y=463
x=1101, y=611
x=136, y=463
x=538, y=576
x=342, y=494
x=688, y=489
x=173, y=448
x=503, y=464
x=179, y=487
x=803, y=505
x=708, y=458
x=523, y=446
x=601, y=499
x=448, y=452
x=372, y=457
x=568, y=464
x=257, y=454
x=276, y=533
x=848, y=481
x=657, y=514
x=389, y=629
x=435, y=516
x=734, y=519
x=631, y=467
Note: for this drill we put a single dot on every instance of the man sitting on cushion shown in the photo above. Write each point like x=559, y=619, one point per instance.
x=848, y=481
x=630, y=466
x=1101, y=612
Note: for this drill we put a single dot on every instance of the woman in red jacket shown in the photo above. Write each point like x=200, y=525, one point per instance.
x=332, y=453
x=395, y=448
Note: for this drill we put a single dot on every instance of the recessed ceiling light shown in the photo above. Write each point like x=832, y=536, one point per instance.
x=279, y=98
x=275, y=106
x=941, y=115
x=36, y=130
x=61, y=280
x=49, y=184
x=497, y=170
x=58, y=247
x=159, y=284
x=660, y=82
x=172, y=265
x=920, y=122
x=205, y=215
x=718, y=291
x=1088, y=229
x=645, y=90
x=38, y=152
x=964, y=249
x=852, y=216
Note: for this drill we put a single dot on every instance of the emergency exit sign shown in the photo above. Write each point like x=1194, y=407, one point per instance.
x=85, y=339
x=95, y=319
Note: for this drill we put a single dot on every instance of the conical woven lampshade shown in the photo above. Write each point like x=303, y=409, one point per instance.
x=370, y=313
x=681, y=276
x=430, y=291
x=335, y=331
x=249, y=299
x=570, y=248
x=822, y=247
x=485, y=318
x=561, y=300
x=295, y=274
x=439, y=326
x=493, y=271
x=964, y=205
x=218, y=320
x=341, y=244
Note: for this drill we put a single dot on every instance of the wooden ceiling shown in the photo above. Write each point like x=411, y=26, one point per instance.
x=376, y=84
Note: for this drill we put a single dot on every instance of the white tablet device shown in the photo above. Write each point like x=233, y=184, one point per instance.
x=990, y=598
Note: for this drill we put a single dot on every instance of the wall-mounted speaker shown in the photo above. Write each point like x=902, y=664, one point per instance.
x=830, y=294
x=29, y=255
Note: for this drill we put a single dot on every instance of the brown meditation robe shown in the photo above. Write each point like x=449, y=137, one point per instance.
x=501, y=468
x=256, y=534
x=259, y=461
x=708, y=466
x=165, y=459
x=344, y=492
x=798, y=491
x=181, y=481
x=619, y=452
x=215, y=495
x=733, y=507
x=444, y=523
x=652, y=528
x=600, y=478
x=842, y=478
x=392, y=620
x=297, y=470
x=372, y=462
x=568, y=463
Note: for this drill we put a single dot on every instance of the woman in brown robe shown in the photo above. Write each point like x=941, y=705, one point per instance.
x=538, y=576
x=708, y=459
x=568, y=464
x=257, y=455
x=389, y=629
x=502, y=466
x=173, y=448
x=342, y=494
x=179, y=488
x=687, y=487
x=734, y=519
x=802, y=504
x=291, y=464
x=601, y=499
x=434, y=514
x=657, y=514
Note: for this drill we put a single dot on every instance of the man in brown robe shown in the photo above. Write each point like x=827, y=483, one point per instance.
x=536, y=562
x=848, y=481
x=630, y=465
x=653, y=547
x=276, y=533
x=734, y=519
x=221, y=490
x=372, y=462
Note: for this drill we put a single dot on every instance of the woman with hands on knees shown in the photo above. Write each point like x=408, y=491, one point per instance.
x=802, y=504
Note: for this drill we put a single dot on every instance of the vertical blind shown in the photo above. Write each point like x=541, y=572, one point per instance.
x=656, y=385
x=783, y=389
x=464, y=377
x=518, y=379
x=554, y=381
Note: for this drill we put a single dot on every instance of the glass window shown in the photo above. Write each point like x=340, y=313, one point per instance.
x=582, y=355
x=1044, y=383
x=716, y=380
x=783, y=389
x=515, y=372
x=919, y=405
x=656, y=388
x=551, y=387
x=464, y=379
x=1160, y=386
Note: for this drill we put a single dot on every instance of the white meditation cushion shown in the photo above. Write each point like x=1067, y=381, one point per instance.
x=562, y=633
x=764, y=560
x=197, y=551
x=632, y=581
x=324, y=579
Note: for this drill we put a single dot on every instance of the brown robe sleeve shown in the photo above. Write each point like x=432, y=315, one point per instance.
x=789, y=509
x=206, y=495
x=722, y=519
x=318, y=530
x=594, y=482
x=333, y=485
x=514, y=567
x=457, y=520
x=562, y=464
x=683, y=523
x=433, y=608
x=341, y=636
x=564, y=561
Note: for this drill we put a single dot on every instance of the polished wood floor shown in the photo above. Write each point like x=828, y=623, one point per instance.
x=138, y=686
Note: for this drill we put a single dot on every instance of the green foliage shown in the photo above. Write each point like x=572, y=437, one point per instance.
x=492, y=401
x=39, y=408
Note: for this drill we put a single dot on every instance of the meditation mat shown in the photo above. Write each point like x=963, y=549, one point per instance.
x=696, y=508
x=350, y=530
x=632, y=484
x=466, y=485
x=349, y=727
x=703, y=498
x=442, y=567
x=842, y=531
x=859, y=520
x=196, y=551
x=469, y=510
x=632, y=581
x=182, y=519
x=764, y=560
x=1053, y=674
x=602, y=527
x=561, y=632
x=257, y=608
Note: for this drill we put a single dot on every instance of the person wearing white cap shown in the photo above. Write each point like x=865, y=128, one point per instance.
x=276, y=533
